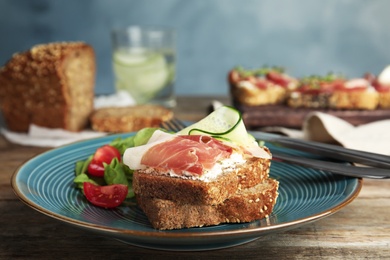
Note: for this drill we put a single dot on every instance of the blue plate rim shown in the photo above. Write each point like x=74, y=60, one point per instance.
x=167, y=234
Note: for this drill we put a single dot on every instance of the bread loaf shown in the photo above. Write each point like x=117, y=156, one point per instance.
x=50, y=85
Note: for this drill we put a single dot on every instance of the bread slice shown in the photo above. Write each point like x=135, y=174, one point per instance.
x=337, y=99
x=332, y=92
x=129, y=118
x=50, y=85
x=381, y=83
x=245, y=205
x=308, y=100
x=248, y=94
x=151, y=183
x=355, y=94
x=258, y=87
x=352, y=100
x=384, y=99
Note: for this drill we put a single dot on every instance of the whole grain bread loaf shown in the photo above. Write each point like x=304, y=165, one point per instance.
x=245, y=205
x=50, y=85
x=129, y=118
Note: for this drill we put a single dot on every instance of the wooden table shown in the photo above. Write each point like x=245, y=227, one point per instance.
x=360, y=230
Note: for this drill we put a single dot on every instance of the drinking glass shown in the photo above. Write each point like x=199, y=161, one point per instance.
x=144, y=63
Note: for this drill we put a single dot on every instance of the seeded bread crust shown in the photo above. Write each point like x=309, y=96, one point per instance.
x=50, y=85
x=151, y=183
x=244, y=206
x=129, y=118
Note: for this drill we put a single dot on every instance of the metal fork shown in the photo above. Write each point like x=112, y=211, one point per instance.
x=174, y=125
x=381, y=163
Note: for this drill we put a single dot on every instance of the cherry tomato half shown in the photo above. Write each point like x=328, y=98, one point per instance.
x=103, y=154
x=278, y=78
x=109, y=196
x=96, y=169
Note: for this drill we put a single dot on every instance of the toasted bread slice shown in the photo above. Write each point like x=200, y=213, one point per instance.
x=352, y=100
x=248, y=94
x=381, y=83
x=263, y=86
x=153, y=184
x=308, y=100
x=367, y=100
x=244, y=206
x=129, y=118
x=384, y=100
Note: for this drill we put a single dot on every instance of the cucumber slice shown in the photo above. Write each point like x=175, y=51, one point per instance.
x=141, y=73
x=224, y=123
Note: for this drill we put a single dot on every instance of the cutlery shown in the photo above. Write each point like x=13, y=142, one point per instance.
x=326, y=150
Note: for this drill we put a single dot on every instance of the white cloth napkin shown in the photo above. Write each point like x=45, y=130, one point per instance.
x=372, y=137
x=118, y=99
x=47, y=137
x=321, y=127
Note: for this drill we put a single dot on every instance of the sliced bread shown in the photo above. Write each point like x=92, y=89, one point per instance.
x=129, y=118
x=244, y=206
x=263, y=86
x=153, y=184
x=351, y=100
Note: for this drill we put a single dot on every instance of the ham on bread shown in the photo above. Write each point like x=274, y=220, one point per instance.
x=199, y=173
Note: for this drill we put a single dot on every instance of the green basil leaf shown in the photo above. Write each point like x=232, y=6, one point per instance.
x=81, y=178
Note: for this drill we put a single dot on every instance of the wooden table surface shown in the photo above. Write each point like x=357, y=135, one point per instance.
x=360, y=230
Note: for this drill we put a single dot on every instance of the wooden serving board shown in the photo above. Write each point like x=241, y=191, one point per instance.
x=284, y=116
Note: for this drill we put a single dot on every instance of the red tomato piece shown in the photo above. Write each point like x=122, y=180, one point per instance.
x=262, y=83
x=382, y=88
x=104, y=154
x=337, y=84
x=278, y=78
x=109, y=196
x=96, y=169
x=329, y=87
x=352, y=85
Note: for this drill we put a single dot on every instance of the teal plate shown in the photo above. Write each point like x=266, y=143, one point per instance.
x=45, y=183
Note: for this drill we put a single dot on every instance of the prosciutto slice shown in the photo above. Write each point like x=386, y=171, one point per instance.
x=190, y=153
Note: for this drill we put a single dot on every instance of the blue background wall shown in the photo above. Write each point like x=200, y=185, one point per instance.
x=305, y=36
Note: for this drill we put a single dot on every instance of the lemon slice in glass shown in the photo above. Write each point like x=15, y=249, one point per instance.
x=141, y=73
